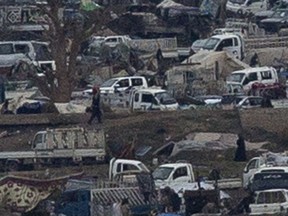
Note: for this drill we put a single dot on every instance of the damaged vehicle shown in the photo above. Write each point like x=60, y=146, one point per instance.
x=270, y=202
x=277, y=21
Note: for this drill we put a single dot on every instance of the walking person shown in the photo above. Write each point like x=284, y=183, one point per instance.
x=95, y=107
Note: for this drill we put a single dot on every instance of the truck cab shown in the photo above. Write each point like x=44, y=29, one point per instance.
x=39, y=141
x=119, y=166
x=250, y=76
x=233, y=44
x=120, y=84
x=251, y=167
x=173, y=173
x=152, y=99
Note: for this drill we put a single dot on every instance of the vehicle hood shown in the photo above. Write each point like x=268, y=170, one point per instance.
x=171, y=107
x=272, y=20
x=9, y=60
x=264, y=13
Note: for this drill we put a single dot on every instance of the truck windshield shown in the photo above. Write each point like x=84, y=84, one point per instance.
x=162, y=173
x=165, y=98
x=211, y=43
x=237, y=77
x=240, y=2
x=108, y=83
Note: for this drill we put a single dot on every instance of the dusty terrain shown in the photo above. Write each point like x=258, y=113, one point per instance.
x=152, y=129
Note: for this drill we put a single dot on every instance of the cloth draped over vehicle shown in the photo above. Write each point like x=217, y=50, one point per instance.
x=22, y=194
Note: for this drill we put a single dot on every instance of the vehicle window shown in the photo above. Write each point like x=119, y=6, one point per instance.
x=6, y=49
x=137, y=82
x=246, y=81
x=124, y=83
x=147, y=98
x=253, y=1
x=21, y=48
x=271, y=197
x=127, y=167
x=251, y=165
x=37, y=139
x=227, y=43
x=278, y=197
x=136, y=97
x=109, y=83
x=266, y=75
x=181, y=171
x=246, y=103
x=118, y=168
x=42, y=52
x=252, y=77
x=111, y=40
x=235, y=42
x=211, y=43
x=261, y=198
x=253, y=101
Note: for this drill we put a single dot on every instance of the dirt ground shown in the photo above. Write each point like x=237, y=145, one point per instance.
x=152, y=129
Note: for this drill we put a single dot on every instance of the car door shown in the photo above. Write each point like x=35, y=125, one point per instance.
x=122, y=85
x=249, y=171
x=229, y=45
x=181, y=175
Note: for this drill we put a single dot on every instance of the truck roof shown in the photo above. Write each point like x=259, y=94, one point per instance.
x=152, y=90
x=224, y=36
x=175, y=165
x=128, y=161
x=251, y=70
x=272, y=190
x=273, y=169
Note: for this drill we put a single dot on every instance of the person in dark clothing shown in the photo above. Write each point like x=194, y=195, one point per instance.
x=2, y=89
x=240, y=154
x=95, y=107
x=254, y=62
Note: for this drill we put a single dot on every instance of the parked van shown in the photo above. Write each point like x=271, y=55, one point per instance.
x=123, y=83
x=13, y=51
x=248, y=77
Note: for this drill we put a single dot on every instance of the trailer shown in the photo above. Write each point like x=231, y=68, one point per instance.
x=61, y=146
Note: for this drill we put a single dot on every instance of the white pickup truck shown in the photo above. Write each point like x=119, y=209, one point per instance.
x=61, y=146
x=270, y=160
x=143, y=99
x=270, y=202
x=164, y=175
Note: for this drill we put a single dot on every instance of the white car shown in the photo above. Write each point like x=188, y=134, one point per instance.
x=113, y=41
x=248, y=102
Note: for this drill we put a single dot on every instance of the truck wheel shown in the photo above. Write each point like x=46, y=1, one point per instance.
x=12, y=166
